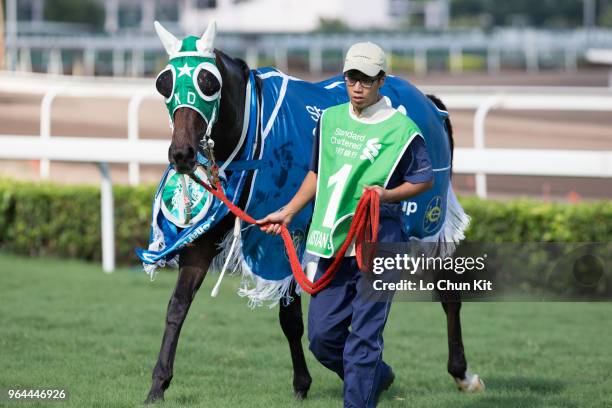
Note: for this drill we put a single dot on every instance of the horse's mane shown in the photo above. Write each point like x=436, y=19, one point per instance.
x=227, y=62
x=235, y=74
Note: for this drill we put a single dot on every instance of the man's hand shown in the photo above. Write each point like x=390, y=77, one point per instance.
x=382, y=193
x=274, y=221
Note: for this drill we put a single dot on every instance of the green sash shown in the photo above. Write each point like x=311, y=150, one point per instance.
x=352, y=155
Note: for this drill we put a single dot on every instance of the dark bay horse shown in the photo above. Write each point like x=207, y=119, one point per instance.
x=189, y=128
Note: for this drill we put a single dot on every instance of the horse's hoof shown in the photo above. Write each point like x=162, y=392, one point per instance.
x=301, y=385
x=471, y=383
x=154, y=396
x=300, y=394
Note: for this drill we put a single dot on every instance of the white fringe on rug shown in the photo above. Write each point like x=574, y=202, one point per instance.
x=453, y=230
x=256, y=289
x=158, y=244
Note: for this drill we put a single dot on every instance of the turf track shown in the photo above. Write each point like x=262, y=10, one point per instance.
x=67, y=324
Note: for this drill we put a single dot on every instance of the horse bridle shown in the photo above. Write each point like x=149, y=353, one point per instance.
x=207, y=144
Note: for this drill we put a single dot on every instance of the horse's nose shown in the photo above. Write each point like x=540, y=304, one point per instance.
x=183, y=157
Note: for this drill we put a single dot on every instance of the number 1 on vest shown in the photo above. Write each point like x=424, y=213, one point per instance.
x=339, y=180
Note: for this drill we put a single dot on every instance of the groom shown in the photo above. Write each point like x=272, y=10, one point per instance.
x=363, y=144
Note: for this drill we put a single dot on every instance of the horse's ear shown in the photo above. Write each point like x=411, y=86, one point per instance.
x=206, y=43
x=170, y=42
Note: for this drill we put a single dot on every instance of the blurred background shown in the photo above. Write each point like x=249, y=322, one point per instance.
x=528, y=84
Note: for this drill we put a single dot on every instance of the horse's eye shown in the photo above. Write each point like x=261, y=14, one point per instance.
x=164, y=83
x=208, y=83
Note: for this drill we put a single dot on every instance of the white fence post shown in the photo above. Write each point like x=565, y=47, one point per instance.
x=45, y=128
x=107, y=213
x=479, y=139
x=133, y=134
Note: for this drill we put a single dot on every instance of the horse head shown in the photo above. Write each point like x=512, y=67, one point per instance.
x=204, y=92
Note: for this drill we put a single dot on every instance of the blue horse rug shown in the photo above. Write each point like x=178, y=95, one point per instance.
x=286, y=121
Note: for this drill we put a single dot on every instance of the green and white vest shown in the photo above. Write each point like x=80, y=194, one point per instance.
x=352, y=155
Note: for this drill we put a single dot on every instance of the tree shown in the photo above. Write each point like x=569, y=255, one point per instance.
x=605, y=15
x=75, y=11
x=331, y=25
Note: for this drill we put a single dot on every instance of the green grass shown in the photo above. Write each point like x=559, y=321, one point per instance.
x=67, y=324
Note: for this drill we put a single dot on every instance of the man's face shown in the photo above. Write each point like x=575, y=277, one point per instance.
x=362, y=89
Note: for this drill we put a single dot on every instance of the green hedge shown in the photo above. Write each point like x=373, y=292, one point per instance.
x=46, y=219
x=525, y=220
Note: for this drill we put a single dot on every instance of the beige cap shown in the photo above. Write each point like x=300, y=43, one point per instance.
x=366, y=57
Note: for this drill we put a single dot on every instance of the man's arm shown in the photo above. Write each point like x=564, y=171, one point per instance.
x=417, y=174
x=402, y=192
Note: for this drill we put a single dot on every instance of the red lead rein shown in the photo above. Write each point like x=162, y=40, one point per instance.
x=364, y=227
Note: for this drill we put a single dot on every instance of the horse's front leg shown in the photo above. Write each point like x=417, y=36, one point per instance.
x=457, y=365
x=193, y=265
x=292, y=323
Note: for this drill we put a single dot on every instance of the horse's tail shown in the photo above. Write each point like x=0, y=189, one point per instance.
x=449, y=127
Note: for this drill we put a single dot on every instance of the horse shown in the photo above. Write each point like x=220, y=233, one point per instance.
x=212, y=130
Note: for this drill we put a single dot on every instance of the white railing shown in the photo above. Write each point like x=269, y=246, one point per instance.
x=135, y=93
x=483, y=100
x=102, y=151
x=135, y=100
x=478, y=160
x=89, y=150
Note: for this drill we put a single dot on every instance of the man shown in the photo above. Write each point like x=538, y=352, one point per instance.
x=362, y=144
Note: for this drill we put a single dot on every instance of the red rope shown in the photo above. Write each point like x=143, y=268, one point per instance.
x=363, y=228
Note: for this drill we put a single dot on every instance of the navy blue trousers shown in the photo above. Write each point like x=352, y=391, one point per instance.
x=356, y=355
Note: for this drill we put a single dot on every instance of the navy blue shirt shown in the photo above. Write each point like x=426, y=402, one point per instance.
x=413, y=167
